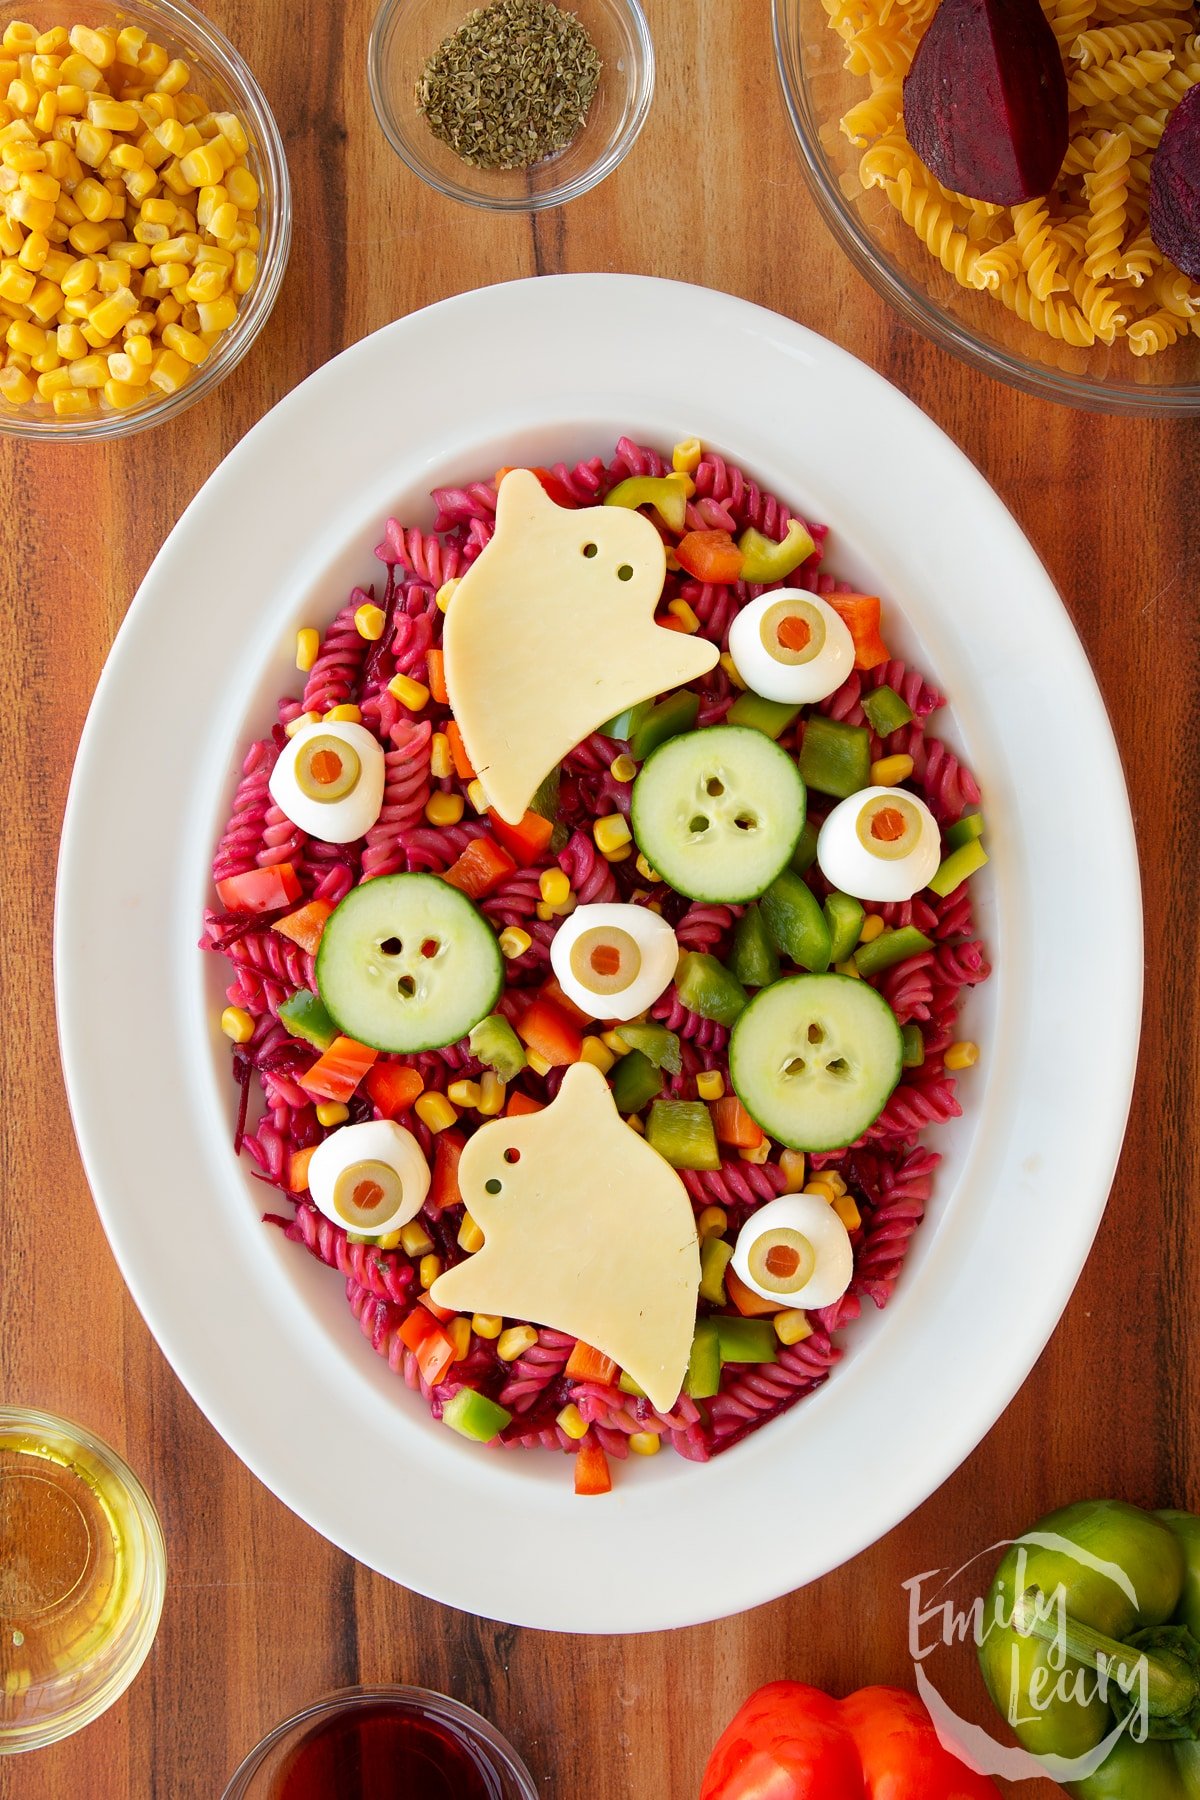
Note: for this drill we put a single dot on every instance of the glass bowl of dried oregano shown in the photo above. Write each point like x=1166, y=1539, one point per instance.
x=516, y=105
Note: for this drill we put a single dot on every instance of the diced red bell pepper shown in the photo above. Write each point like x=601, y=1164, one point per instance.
x=260, y=890
x=443, y=1314
x=546, y=1029
x=733, y=1124
x=392, y=1088
x=519, y=1103
x=463, y=766
x=528, y=841
x=586, y=1364
x=792, y=1742
x=297, y=1176
x=748, y=1303
x=551, y=989
x=444, y=1189
x=336, y=1074
x=860, y=613
x=709, y=556
x=433, y=1347
x=552, y=487
x=306, y=925
x=592, y=1473
x=480, y=869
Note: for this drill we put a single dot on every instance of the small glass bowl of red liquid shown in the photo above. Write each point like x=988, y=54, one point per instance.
x=383, y=1743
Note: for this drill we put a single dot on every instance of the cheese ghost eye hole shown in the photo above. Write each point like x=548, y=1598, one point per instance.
x=327, y=769
x=590, y=549
x=625, y=572
x=492, y=1186
x=889, y=827
x=512, y=1155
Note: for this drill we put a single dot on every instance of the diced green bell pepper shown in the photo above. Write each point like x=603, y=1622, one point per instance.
x=796, y=923
x=706, y=986
x=682, y=1133
x=676, y=714
x=912, y=1042
x=886, y=711
x=628, y=1385
x=958, y=865
x=963, y=832
x=765, y=560
x=624, y=724
x=834, y=758
x=715, y=1257
x=635, y=1080
x=667, y=494
x=545, y=800
x=805, y=853
x=770, y=716
x=889, y=948
x=305, y=1017
x=746, y=1340
x=495, y=1043
x=703, y=1377
x=656, y=1043
x=473, y=1415
x=844, y=916
x=754, y=959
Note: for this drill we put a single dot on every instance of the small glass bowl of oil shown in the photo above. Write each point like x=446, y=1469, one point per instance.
x=383, y=1743
x=82, y=1577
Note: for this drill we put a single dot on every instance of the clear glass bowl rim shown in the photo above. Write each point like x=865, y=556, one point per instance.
x=912, y=303
x=277, y=199
x=52, y=1729
x=642, y=82
x=443, y=1704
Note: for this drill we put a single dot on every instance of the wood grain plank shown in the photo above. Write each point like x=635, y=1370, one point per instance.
x=262, y=1614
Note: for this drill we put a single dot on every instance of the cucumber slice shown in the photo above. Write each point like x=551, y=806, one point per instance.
x=718, y=812
x=408, y=963
x=814, y=1059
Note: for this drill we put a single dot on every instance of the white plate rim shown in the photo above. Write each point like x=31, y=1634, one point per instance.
x=577, y=349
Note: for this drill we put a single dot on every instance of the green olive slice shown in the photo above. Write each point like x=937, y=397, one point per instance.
x=889, y=827
x=605, y=960
x=367, y=1193
x=327, y=767
x=782, y=1260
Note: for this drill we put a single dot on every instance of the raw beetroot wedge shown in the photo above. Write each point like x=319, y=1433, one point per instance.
x=985, y=102
x=1175, y=187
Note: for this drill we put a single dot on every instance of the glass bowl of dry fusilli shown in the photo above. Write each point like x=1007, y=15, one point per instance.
x=1064, y=296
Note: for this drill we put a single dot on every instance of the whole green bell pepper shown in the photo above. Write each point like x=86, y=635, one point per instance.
x=1094, y=1625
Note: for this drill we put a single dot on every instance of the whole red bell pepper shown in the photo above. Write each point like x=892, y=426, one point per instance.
x=791, y=1742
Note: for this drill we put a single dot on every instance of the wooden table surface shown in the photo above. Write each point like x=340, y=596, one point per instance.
x=262, y=1615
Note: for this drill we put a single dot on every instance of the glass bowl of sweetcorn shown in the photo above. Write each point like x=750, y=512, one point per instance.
x=145, y=214
x=841, y=66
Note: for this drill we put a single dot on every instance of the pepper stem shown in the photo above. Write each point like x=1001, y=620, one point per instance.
x=1166, y=1679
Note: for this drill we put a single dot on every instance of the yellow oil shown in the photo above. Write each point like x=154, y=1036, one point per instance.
x=71, y=1564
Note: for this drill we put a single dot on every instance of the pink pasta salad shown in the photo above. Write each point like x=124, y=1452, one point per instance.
x=859, y=798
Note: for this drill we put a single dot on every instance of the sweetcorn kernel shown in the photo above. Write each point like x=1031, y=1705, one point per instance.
x=515, y=1341
x=369, y=620
x=962, y=1055
x=308, y=643
x=710, y=1084
x=486, y=1325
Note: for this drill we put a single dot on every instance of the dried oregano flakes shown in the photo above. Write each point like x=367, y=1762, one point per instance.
x=512, y=85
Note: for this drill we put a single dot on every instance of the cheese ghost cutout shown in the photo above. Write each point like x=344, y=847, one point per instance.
x=587, y=1230
x=551, y=632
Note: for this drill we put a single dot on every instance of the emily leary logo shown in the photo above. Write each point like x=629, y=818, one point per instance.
x=937, y=1622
